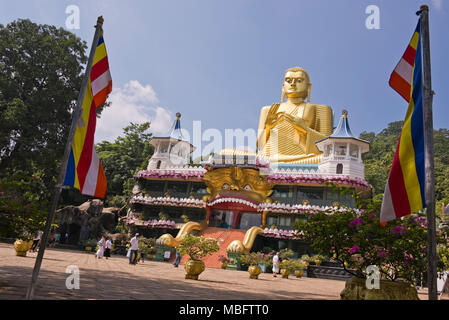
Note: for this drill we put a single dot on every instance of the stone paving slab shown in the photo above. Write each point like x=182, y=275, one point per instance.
x=116, y=279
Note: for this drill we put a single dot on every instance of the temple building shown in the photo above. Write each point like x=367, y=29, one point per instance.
x=249, y=201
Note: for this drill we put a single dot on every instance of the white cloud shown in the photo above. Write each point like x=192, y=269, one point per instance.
x=133, y=103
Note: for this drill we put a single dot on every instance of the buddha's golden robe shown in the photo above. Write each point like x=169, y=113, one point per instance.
x=289, y=133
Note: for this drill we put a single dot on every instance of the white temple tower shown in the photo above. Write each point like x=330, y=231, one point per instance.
x=342, y=152
x=170, y=151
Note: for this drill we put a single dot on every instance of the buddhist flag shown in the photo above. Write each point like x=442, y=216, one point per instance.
x=405, y=192
x=84, y=170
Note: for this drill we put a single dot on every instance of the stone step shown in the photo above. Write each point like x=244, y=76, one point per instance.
x=224, y=237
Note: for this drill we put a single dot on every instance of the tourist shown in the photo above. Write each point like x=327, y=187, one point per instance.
x=178, y=258
x=108, y=246
x=142, y=253
x=36, y=241
x=51, y=243
x=134, y=249
x=100, y=251
x=275, y=264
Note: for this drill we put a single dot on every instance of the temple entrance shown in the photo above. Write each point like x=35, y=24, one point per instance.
x=221, y=219
x=249, y=219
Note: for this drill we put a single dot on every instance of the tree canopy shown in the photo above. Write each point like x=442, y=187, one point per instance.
x=40, y=77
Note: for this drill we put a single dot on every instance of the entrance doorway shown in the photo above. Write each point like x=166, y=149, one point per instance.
x=221, y=219
x=248, y=220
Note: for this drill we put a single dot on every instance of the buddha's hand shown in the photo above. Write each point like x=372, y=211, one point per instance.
x=295, y=121
x=272, y=114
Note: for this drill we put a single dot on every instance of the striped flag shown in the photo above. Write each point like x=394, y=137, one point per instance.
x=401, y=77
x=404, y=192
x=84, y=170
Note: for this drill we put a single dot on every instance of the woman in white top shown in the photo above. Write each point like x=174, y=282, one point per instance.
x=100, y=251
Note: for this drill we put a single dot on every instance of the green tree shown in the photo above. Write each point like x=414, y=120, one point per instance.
x=40, y=77
x=122, y=159
x=382, y=148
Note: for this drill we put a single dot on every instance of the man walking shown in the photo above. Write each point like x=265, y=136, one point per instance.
x=275, y=264
x=134, y=249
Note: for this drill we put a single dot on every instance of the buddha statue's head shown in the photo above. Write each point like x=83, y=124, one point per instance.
x=296, y=84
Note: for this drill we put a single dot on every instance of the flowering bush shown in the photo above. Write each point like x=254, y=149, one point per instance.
x=253, y=258
x=198, y=247
x=357, y=240
x=288, y=264
x=286, y=253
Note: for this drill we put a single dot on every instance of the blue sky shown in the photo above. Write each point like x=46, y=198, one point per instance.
x=220, y=62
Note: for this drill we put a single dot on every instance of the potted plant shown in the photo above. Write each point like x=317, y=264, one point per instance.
x=357, y=240
x=224, y=261
x=317, y=259
x=23, y=243
x=305, y=259
x=185, y=218
x=252, y=260
x=299, y=267
x=196, y=248
x=286, y=253
x=286, y=266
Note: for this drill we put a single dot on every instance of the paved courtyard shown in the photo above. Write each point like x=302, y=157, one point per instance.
x=116, y=279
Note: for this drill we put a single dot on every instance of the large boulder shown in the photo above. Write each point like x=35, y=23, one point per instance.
x=90, y=219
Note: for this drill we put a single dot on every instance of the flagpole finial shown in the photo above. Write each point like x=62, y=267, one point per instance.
x=424, y=7
x=100, y=20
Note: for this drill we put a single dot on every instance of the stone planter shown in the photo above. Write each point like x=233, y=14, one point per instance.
x=22, y=246
x=254, y=272
x=285, y=273
x=194, y=268
x=356, y=289
x=299, y=273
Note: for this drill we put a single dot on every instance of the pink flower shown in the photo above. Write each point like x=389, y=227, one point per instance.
x=356, y=222
x=399, y=230
x=354, y=249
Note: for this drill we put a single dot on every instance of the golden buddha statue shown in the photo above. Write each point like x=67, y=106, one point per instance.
x=288, y=130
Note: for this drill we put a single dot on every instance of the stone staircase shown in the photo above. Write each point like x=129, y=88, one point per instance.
x=224, y=237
